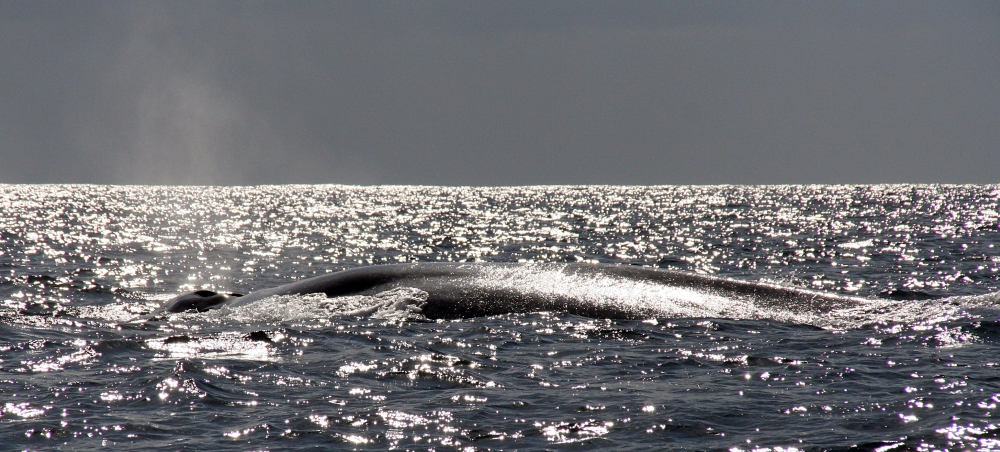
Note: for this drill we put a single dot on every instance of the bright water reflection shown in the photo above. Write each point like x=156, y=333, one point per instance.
x=78, y=265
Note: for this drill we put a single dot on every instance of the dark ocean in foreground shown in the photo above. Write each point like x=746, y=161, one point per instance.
x=911, y=362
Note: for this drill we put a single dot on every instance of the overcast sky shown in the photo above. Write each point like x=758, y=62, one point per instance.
x=499, y=93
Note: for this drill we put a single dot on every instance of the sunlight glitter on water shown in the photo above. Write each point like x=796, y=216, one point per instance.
x=81, y=265
x=223, y=346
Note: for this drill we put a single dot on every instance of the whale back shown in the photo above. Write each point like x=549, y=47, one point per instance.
x=199, y=301
x=593, y=290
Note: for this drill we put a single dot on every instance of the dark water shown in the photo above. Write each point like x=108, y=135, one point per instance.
x=917, y=369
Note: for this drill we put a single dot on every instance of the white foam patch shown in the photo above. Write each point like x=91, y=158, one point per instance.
x=889, y=311
x=989, y=300
x=916, y=311
x=403, y=303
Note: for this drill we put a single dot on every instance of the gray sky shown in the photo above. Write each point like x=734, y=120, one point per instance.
x=499, y=93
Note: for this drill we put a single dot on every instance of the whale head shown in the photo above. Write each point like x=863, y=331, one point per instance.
x=200, y=301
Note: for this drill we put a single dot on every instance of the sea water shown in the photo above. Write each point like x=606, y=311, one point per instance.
x=82, y=366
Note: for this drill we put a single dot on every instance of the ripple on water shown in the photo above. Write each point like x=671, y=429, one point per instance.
x=911, y=369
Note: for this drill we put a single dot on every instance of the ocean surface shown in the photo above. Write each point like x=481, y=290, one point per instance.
x=83, y=366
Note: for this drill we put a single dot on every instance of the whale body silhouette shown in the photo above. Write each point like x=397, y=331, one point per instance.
x=468, y=290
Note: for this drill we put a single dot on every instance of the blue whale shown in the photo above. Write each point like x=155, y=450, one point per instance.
x=465, y=290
